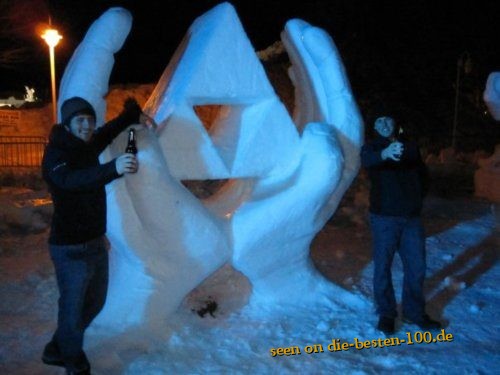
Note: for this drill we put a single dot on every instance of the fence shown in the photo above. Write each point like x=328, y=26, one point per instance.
x=22, y=151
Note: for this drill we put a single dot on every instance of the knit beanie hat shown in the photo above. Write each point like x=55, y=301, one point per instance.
x=74, y=106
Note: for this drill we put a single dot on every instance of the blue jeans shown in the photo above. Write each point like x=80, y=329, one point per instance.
x=406, y=236
x=82, y=279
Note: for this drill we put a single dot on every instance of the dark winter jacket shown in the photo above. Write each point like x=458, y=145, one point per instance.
x=397, y=188
x=76, y=179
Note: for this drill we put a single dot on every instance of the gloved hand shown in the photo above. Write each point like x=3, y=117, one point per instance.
x=131, y=110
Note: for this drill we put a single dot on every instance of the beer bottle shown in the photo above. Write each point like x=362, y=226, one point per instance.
x=131, y=147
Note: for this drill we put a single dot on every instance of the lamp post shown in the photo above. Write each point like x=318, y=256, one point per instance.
x=463, y=63
x=52, y=38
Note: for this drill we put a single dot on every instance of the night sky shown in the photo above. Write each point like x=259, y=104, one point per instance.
x=403, y=53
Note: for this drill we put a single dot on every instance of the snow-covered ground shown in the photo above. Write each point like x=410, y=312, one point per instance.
x=462, y=288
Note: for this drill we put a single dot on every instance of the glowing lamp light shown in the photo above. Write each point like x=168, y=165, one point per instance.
x=52, y=38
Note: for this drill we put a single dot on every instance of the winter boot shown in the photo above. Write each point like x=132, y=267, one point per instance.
x=386, y=325
x=51, y=355
x=424, y=322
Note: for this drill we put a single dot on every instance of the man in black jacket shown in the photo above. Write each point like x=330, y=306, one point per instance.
x=397, y=176
x=76, y=182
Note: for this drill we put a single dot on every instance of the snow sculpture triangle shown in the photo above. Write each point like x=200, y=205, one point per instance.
x=217, y=65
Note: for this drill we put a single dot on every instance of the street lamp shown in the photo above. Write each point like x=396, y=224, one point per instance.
x=464, y=63
x=52, y=38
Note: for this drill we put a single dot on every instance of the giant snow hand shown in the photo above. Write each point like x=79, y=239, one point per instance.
x=295, y=203
x=284, y=180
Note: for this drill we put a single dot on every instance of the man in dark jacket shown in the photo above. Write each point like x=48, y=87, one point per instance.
x=76, y=182
x=398, y=179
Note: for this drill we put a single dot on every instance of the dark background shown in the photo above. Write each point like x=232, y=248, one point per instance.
x=402, y=57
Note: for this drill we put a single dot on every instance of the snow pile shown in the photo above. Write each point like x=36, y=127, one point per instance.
x=271, y=52
x=463, y=271
x=236, y=338
x=24, y=210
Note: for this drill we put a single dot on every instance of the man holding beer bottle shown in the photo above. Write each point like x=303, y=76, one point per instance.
x=76, y=182
x=398, y=177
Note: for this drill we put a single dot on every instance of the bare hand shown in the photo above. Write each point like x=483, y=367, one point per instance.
x=126, y=163
x=393, y=151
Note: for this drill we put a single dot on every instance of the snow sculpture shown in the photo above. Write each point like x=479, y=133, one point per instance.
x=492, y=94
x=30, y=94
x=87, y=73
x=285, y=177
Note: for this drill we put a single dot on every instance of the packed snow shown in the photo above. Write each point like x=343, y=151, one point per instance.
x=462, y=289
x=228, y=284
